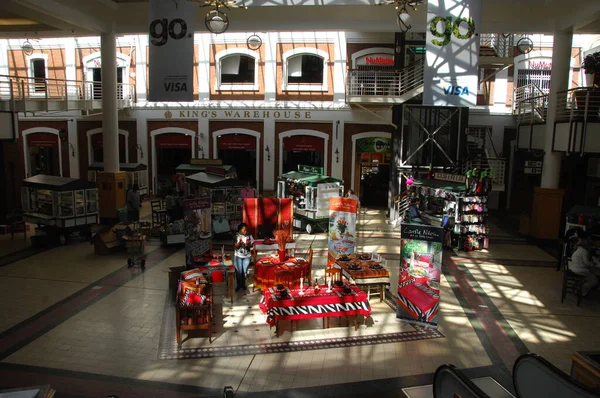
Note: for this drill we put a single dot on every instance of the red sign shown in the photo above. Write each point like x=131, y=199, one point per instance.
x=97, y=141
x=237, y=141
x=379, y=60
x=304, y=143
x=42, y=140
x=173, y=140
x=195, y=204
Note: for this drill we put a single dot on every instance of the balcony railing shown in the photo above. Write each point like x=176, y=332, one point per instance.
x=503, y=44
x=582, y=104
x=22, y=94
x=393, y=85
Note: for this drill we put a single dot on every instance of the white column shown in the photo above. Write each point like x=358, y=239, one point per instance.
x=203, y=66
x=110, y=114
x=141, y=44
x=73, y=160
x=4, y=57
x=339, y=68
x=203, y=129
x=70, y=66
x=337, y=166
x=269, y=166
x=561, y=58
x=270, y=45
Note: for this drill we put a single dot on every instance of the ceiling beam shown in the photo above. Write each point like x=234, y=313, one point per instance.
x=59, y=11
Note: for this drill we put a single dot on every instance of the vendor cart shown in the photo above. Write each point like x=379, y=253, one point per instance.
x=60, y=206
x=136, y=244
x=224, y=195
x=136, y=173
x=310, y=190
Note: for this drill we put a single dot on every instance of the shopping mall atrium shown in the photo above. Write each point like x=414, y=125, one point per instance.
x=394, y=198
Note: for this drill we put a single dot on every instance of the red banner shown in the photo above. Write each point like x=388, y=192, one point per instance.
x=237, y=141
x=97, y=140
x=173, y=140
x=304, y=143
x=42, y=140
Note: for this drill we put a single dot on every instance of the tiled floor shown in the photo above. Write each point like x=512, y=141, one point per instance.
x=90, y=326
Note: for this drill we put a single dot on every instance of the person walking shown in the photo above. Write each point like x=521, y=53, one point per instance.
x=242, y=246
x=133, y=204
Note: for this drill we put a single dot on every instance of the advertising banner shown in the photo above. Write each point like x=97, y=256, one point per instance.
x=342, y=228
x=419, y=275
x=374, y=144
x=452, y=65
x=171, y=40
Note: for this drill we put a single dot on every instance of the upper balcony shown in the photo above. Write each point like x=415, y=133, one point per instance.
x=22, y=94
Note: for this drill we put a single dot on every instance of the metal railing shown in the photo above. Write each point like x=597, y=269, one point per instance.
x=578, y=104
x=22, y=92
x=503, y=44
x=384, y=83
x=531, y=104
x=496, y=165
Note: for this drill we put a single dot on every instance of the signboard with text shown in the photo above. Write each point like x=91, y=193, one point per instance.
x=171, y=28
x=342, y=227
x=452, y=56
x=450, y=177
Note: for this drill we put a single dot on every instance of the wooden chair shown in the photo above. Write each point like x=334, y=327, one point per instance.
x=285, y=278
x=201, y=316
x=159, y=213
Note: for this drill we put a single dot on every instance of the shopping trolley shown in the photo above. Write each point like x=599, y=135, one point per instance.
x=136, y=245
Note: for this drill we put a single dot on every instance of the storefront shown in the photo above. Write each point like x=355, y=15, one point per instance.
x=372, y=169
x=303, y=149
x=42, y=154
x=239, y=150
x=171, y=150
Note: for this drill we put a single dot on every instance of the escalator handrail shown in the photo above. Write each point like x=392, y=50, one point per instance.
x=460, y=378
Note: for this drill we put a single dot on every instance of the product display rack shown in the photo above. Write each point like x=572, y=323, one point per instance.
x=471, y=222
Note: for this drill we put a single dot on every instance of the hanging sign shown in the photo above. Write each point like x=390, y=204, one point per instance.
x=195, y=204
x=450, y=177
x=237, y=141
x=171, y=40
x=303, y=143
x=42, y=140
x=452, y=67
x=304, y=168
x=342, y=228
x=418, y=296
x=173, y=140
x=374, y=144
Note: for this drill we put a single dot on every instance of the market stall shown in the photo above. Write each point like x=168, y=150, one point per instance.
x=366, y=270
x=310, y=191
x=136, y=173
x=60, y=206
x=184, y=170
x=225, y=199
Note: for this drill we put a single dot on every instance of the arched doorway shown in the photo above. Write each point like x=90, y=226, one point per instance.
x=171, y=146
x=42, y=152
x=306, y=147
x=237, y=147
x=96, y=146
x=372, y=154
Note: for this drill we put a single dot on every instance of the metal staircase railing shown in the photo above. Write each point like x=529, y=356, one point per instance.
x=482, y=154
x=23, y=94
x=502, y=44
x=531, y=104
x=398, y=84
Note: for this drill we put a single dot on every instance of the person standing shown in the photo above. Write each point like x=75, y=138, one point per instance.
x=581, y=264
x=242, y=246
x=248, y=191
x=170, y=205
x=133, y=204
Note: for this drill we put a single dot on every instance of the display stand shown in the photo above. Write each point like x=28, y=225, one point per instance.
x=135, y=173
x=196, y=228
x=310, y=191
x=462, y=213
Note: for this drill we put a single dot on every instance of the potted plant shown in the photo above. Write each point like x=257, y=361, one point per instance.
x=591, y=66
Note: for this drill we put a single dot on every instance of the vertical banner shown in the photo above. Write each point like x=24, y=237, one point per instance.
x=452, y=67
x=419, y=274
x=171, y=40
x=196, y=225
x=342, y=228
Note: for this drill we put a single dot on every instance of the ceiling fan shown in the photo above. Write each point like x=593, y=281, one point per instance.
x=229, y=4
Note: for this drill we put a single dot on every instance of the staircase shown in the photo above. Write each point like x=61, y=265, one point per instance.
x=482, y=155
x=385, y=86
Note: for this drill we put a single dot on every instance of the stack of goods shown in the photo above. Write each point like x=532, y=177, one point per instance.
x=194, y=302
x=471, y=221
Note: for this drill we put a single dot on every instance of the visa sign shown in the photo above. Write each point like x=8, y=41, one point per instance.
x=456, y=90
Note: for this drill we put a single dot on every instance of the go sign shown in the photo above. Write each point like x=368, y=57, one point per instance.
x=450, y=28
x=162, y=29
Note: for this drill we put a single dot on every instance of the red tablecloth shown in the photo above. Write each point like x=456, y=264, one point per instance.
x=265, y=268
x=311, y=305
x=363, y=273
x=417, y=297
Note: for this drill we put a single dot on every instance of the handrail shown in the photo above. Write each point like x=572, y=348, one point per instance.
x=76, y=94
x=501, y=43
x=385, y=83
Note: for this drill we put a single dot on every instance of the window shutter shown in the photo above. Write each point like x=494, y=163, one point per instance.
x=294, y=66
x=230, y=65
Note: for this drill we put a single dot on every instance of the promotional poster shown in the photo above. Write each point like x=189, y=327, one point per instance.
x=342, y=228
x=419, y=275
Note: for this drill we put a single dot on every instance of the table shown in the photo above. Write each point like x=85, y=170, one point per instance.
x=212, y=262
x=365, y=275
x=417, y=294
x=314, y=305
x=265, y=268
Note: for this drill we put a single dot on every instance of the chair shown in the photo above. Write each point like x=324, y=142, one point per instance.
x=572, y=282
x=533, y=376
x=198, y=317
x=334, y=273
x=449, y=382
x=285, y=278
x=159, y=213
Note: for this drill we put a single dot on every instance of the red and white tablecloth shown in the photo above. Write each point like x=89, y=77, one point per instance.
x=265, y=268
x=313, y=305
x=364, y=272
x=417, y=296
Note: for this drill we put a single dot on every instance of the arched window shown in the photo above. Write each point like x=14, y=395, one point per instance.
x=237, y=69
x=305, y=69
